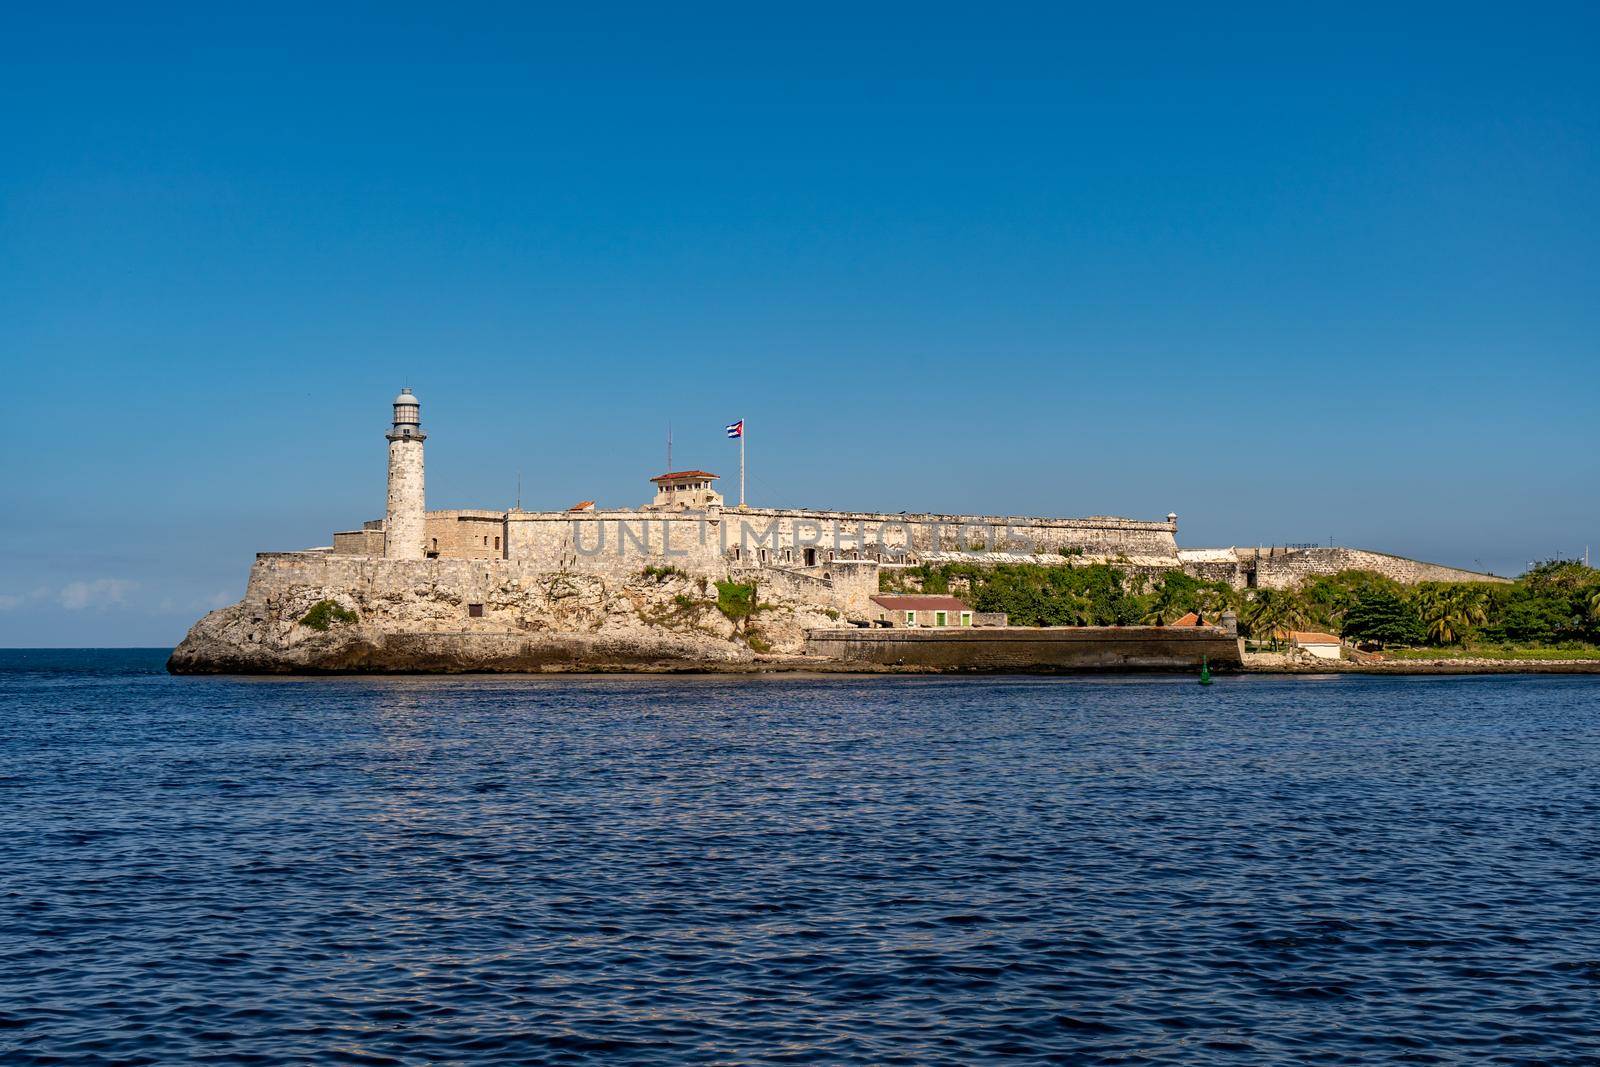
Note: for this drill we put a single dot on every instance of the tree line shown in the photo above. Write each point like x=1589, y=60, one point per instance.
x=1555, y=602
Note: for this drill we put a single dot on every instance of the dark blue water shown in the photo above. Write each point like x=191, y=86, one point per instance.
x=757, y=870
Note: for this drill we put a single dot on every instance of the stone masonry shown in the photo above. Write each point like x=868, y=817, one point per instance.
x=405, y=523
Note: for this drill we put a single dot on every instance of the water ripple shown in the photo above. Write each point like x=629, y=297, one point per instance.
x=781, y=870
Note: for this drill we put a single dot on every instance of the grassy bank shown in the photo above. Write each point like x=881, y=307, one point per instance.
x=1497, y=652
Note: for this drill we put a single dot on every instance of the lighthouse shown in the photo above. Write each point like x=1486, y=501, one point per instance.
x=405, y=524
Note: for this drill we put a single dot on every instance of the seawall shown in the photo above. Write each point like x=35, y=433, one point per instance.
x=1043, y=648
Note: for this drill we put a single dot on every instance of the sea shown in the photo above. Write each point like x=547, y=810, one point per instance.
x=797, y=870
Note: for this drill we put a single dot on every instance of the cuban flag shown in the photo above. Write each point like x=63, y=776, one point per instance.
x=736, y=429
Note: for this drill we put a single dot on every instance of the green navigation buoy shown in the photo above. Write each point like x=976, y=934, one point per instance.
x=1205, y=671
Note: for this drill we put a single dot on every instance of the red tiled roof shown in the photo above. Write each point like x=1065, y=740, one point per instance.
x=678, y=475
x=912, y=602
x=1308, y=637
x=583, y=506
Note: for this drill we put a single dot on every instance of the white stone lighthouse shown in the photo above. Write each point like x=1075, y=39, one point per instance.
x=405, y=523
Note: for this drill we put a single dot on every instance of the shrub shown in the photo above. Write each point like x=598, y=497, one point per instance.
x=324, y=613
x=736, y=600
x=661, y=574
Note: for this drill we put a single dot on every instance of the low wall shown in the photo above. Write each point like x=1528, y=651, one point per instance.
x=1044, y=648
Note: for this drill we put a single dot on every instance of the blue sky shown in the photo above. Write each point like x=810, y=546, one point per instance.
x=1293, y=274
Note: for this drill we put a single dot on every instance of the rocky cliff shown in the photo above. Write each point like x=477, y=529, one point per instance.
x=380, y=615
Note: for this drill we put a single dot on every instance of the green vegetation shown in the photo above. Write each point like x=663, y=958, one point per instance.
x=736, y=600
x=1093, y=595
x=324, y=613
x=661, y=574
x=1382, y=618
x=1554, y=607
x=1494, y=651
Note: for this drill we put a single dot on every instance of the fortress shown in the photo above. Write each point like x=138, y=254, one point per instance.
x=831, y=558
x=687, y=525
x=515, y=589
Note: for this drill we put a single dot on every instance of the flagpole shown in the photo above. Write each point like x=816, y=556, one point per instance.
x=742, y=431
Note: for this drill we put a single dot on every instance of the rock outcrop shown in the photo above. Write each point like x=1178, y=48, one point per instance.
x=484, y=615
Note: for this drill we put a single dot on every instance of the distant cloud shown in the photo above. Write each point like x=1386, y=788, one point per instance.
x=100, y=592
x=9, y=601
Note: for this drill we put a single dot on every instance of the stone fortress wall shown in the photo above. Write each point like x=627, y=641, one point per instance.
x=494, y=595
x=828, y=558
x=1284, y=568
x=716, y=539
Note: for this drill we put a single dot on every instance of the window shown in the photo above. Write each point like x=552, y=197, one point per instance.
x=941, y=618
x=474, y=611
x=497, y=542
x=911, y=618
x=966, y=618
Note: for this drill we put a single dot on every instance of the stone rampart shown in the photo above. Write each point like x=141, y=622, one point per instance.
x=613, y=542
x=1288, y=569
x=1284, y=568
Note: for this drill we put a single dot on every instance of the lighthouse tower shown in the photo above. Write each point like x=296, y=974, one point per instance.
x=404, y=524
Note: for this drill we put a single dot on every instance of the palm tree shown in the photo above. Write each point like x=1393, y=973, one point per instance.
x=1450, y=612
x=1211, y=603
x=1272, y=611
